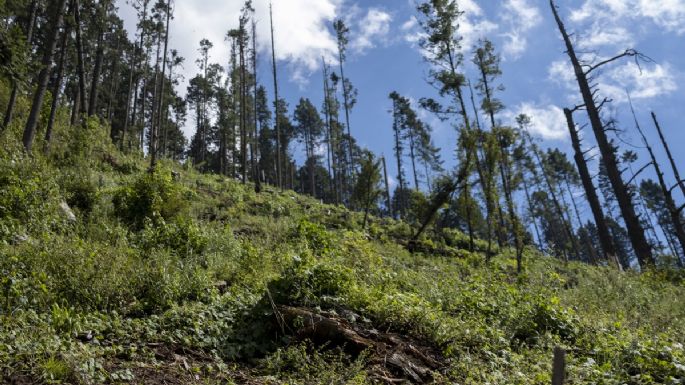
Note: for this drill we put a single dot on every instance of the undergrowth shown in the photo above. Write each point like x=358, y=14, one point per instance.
x=200, y=263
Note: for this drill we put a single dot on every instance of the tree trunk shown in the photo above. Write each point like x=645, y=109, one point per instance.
x=635, y=230
x=80, y=61
x=92, y=104
x=75, y=107
x=57, y=88
x=668, y=195
x=346, y=98
x=15, y=84
x=413, y=159
x=160, y=98
x=387, y=187
x=256, y=132
x=604, y=235
x=530, y=210
x=676, y=173
x=44, y=75
x=398, y=155
x=278, y=129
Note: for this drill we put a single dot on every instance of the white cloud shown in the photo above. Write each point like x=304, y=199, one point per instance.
x=547, y=121
x=561, y=71
x=302, y=29
x=521, y=17
x=646, y=83
x=606, y=36
x=473, y=25
x=666, y=14
x=373, y=27
x=409, y=24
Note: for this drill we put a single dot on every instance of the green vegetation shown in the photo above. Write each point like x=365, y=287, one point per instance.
x=181, y=277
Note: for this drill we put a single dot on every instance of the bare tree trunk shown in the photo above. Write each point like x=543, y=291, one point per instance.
x=57, y=88
x=256, y=131
x=636, y=233
x=160, y=98
x=278, y=129
x=133, y=84
x=44, y=75
x=396, y=127
x=413, y=160
x=79, y=55
x=98, y=61
x=114, y=84
x=676, y=173
x=530, y=210
x=332, y=164
x=668, y=195
x=387, y=187
x=75, y=107
x=346, y=99
x=604, y=235
x=96, y=78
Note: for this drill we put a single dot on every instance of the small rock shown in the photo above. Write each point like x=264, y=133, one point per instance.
x=68, y=213
x=85, y=336
x=19, y=238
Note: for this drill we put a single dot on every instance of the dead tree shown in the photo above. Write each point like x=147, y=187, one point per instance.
x=668, y=195
x=276, y=123
x=605, y=239
x=636, y=232
x=676, y=173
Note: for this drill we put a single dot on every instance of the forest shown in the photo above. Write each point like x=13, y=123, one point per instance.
x=272, y=247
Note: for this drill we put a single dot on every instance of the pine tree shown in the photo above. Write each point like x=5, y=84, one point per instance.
x=57, y=15
x=366, y=190
x=309, y=129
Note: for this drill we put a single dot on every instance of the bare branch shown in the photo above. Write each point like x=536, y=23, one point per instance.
x=628, y=53
x=676, y=185
x=638, y=173
x=577, y=107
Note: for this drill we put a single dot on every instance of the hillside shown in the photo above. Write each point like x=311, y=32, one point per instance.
x=114, y=275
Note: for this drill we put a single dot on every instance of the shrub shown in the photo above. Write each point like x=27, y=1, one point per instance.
x=317, y=238
x=28, y=197
x=182, y=236
x=80, y=191
x=308, y=282
x=152, y=195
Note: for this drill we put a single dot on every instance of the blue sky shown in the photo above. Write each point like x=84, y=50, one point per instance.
x=384, y=57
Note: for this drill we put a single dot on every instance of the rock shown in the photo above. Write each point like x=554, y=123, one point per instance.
x=68, y=213
x=19, y=238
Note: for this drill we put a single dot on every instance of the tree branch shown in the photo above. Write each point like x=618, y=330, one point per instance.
x=676, y=185
x=643, y=168
x=628, y=53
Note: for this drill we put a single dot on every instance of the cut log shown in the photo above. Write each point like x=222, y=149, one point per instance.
x=388, y=354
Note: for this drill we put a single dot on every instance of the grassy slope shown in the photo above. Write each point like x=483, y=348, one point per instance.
x=181, y=297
